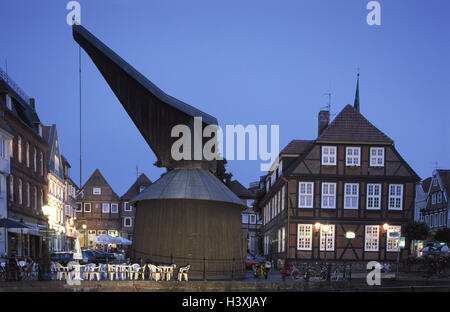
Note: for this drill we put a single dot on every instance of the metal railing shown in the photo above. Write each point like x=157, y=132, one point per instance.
x=5, y=77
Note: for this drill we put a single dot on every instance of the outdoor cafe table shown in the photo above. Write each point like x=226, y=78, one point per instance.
x=165, y=269
x=78, y=268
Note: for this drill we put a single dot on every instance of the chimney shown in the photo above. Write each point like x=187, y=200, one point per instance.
x=324, y=119
x=33, y=106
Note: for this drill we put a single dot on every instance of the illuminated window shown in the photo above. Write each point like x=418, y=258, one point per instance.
x=304, y=234
x=19, y=149
x=328, y=236
x=372, y=238
x=392, y=240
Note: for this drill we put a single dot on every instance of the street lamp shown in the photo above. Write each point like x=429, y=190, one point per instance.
x=84, y=226
x=326, y=229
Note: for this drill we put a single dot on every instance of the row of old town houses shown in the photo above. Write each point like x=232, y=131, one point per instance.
x=350, y=179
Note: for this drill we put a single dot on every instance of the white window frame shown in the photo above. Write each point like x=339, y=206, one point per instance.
x=125, y=221
x=374, y=159
x=283, y=191
x=85, y=207
x=394, y=197
x=305, y=195
x=125, y=205
x=351, y=196
x=392, y=242
x=97, y=191
x=27, y=154
x=244, y=218
x=117, y=208
x=103, y=208
x=352, y=160
x=329, y=237
x=283, y=239
x=373, y=196
x=372, y=239
x=304, y=237
x=327, y=195
x=279, y=241
x=252, y=219
x=327, y=155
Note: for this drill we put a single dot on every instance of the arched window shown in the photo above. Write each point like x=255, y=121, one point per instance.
x=41, y=161
x=28, y=195
x=34, y=160
x=11, y=188
x=20, y=192
x=42, y=198
x=35, y=198
x=19, y=149
x=28, y=154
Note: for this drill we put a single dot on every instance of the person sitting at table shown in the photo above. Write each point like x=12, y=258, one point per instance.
x=13, y=268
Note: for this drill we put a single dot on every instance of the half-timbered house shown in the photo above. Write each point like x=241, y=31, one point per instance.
x=343, y=196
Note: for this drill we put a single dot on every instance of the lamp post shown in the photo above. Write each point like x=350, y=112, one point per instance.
x=326, y=229
x=84, y=226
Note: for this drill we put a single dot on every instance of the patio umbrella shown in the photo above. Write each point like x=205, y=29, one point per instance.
x=105, y=239
x=123, y=241
x=78, y=254
x=10, y=224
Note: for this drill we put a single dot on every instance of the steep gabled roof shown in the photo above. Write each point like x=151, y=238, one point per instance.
x=350, y=126
x=237, y=188
x=97, y=180
x=297, y=147
x=426, y=184
x=51, y=136
x=133, y=191
x=445, y=178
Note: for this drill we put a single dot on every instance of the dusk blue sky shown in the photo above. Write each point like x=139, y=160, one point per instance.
x=244, y=62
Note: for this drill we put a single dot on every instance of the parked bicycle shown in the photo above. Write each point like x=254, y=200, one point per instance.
x=317, y=273
x=262, y=269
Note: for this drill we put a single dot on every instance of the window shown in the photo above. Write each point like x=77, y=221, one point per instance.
x=78, y=207
x=279, y=240
x=114, y=208
x=11, y=147
x=126, y=206
x=105, y=208
x=41, y=163
x=305, y=194
x=328, y=237
x=304, y=237
x=2, y=149
x=11, y=188
x=328, y=195
x=141, y=188
x=439, y=197
x=8, y=102
x=373, y=196
x=372, y=238
x=127, y=222
x=377, y=156
x=28, y=195
x=283, y=239
x=35, y=198
x=427, y=220
x=283, y=190
x=252, y=219
x=433, y=198
x=441, y=219
x=28, y=154
x=351, y=195
x=87, y=207
x=35, y=160
x=392, y=240
x=329, y=155
x=353, y=156
x=266, y=244
x=244, y=218
x=42, y=199
x=20, y=192
x=57, y=164
x=97, y=191
x=19, y=149
x=395, y=196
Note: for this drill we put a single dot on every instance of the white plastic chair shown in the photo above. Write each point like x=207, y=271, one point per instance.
x=183, y=272
x=61, y=271
x=170, y=272
x=137, y=271
x=155, y=273
x=113, y=270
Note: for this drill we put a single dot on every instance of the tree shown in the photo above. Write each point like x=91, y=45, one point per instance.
x=416, y=231
x=221, y=172
x=443, y=235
